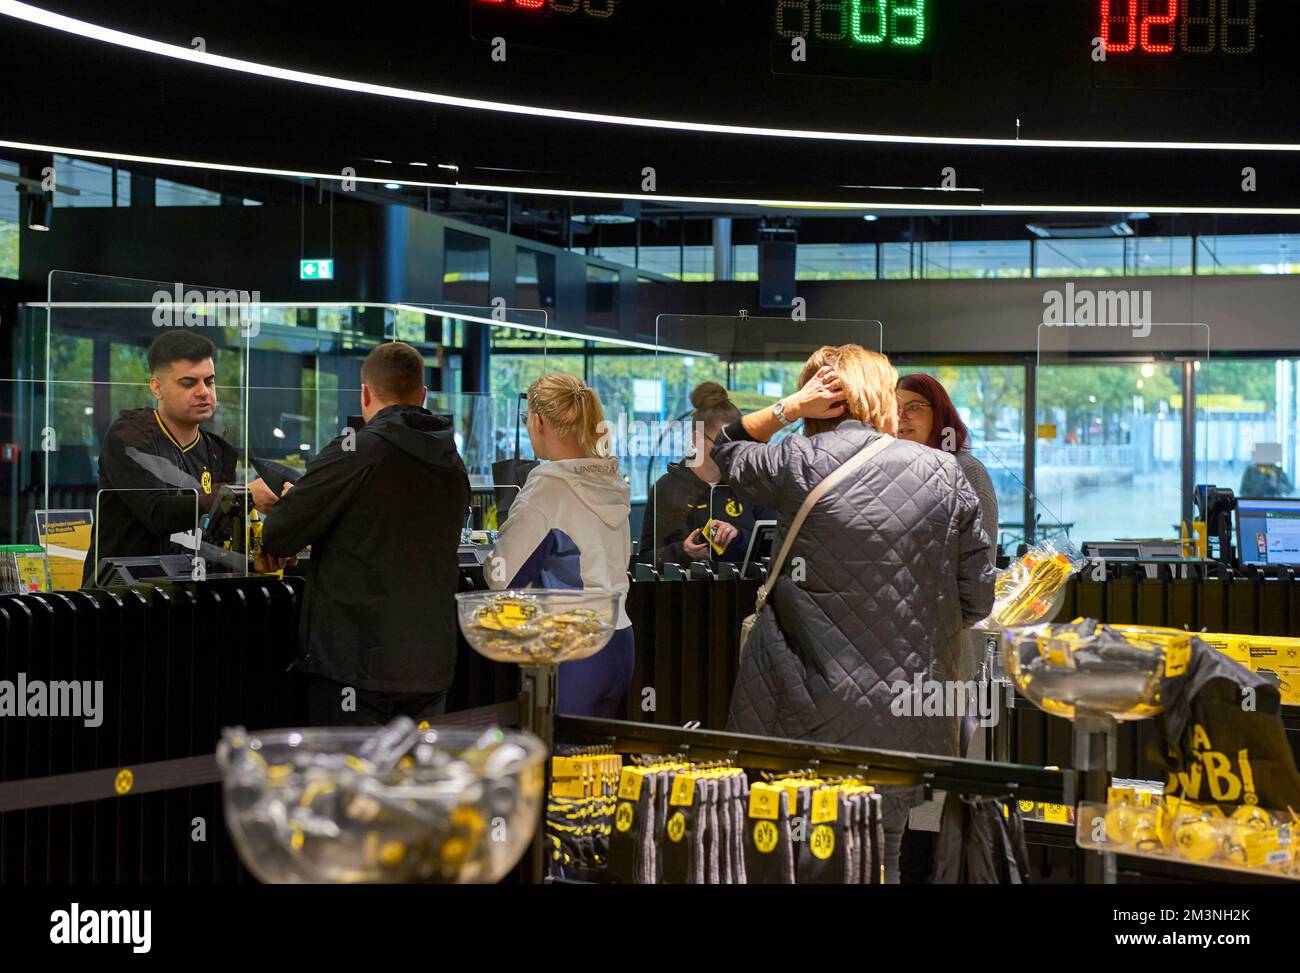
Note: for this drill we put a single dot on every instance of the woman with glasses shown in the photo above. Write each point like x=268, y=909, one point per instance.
x=926, y=415
x=692, y=492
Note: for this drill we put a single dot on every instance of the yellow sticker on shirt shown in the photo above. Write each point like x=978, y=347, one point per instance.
x=207, y=482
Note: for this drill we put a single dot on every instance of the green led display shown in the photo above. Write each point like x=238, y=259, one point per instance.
x=898, y=24
x=864, y=12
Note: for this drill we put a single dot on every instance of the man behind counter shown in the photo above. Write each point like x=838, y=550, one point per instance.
x=155, y=462
x=382, y=511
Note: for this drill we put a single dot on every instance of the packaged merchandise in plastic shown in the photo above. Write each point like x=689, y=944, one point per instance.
x=1032, y=588
x=391, y=804
x=1245, y=838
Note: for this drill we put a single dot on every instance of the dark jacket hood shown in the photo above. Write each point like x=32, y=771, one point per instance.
x=417, y=432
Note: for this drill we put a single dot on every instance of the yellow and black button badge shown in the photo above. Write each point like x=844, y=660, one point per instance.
x=765, y=836
x=677, y=826
x=124, y=781
x=623, y=816
x=823, y=841
x=207, y=482
x=735, y=508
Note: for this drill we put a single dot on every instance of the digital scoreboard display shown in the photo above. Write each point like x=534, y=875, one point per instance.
x=580, y=26
x=887, y=39
x=1178, y=44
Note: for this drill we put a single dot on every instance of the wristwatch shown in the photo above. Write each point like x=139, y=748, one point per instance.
x=778, y=410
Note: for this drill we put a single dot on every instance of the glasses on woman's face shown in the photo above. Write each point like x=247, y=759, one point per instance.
x=911, y=410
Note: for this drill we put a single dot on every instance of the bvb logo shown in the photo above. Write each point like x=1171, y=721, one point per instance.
x=124, y=781
x=677, y=826
x=623, y=817
x=823, y=841
x=734, y=508
x=765, y=835
x=207, y=482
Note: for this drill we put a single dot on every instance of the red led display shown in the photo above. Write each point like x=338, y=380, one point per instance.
x=1184, y=27
x=600, y=9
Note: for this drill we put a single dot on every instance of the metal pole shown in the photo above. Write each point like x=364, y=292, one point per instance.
x=537, y=698
x=1189, y=438
x=1031, y=445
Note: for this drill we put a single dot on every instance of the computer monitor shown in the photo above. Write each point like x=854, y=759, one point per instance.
x=760, y=544
x=1268, y=531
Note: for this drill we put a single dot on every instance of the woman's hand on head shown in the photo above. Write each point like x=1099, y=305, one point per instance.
x=822, y=397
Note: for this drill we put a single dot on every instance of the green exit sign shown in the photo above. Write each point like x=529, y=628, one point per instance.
x=315, y=269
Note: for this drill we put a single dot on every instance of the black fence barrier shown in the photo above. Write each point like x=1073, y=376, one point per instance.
x=175, y=664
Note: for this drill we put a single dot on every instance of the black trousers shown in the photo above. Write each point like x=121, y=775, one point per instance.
x=325, y=705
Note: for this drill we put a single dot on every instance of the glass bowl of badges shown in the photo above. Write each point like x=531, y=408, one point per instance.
x=534, y=627
x=1085, y=667
x=392, y=804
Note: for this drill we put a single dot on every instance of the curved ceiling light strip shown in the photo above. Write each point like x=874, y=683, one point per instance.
x=850, y=207
x=45, y=18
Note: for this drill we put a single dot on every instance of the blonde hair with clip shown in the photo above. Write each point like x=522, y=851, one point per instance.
x=571, y=406
x=868, y=379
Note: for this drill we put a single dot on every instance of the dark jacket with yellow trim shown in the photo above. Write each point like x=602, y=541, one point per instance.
x=681, y=503
x=145, y=497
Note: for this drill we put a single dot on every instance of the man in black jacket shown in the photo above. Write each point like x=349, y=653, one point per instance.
x=382, y=509
x=158, y=471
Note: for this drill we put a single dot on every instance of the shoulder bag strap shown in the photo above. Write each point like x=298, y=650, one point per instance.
x=809, y=502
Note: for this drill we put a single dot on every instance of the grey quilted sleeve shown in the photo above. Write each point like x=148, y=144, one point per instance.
x=988, y=498
x=758, y=471
x=974, y=571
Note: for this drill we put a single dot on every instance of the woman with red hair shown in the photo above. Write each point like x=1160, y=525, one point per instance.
x=926, y=415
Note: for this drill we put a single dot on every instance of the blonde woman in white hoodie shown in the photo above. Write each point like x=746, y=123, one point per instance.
x=568, y=528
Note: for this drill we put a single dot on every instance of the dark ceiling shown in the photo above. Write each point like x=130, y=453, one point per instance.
x=990, y=65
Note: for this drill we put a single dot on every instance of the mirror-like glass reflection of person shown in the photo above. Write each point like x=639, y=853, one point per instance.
x=692, y=492
x=155, y=462
x=1265, y=478
x=568, y=528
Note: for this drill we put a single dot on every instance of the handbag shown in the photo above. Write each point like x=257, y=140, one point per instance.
x=508, y=475
x=817, y=492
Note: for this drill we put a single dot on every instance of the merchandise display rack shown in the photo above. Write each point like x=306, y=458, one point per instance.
x=880, y=767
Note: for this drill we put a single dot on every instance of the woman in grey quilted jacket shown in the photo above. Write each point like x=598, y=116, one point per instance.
x=887, y=569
